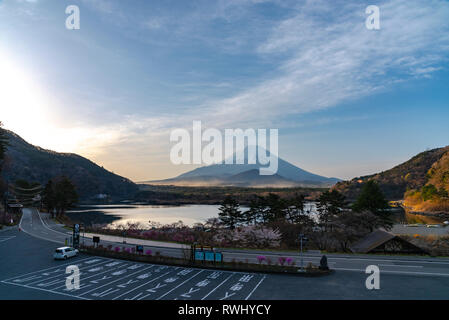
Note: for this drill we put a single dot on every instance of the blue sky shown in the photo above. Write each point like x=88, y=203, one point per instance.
x=347, y=101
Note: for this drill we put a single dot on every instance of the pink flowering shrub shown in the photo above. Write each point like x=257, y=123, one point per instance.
x=183, y=235
x=177, y=232
x=282, y=260
x=261, y=259
x=249, y=236
x=148, y=252
x=117, y=249
x=289, y=261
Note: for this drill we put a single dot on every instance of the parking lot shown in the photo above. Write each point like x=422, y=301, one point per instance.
x=110, y=279
x=28, y=271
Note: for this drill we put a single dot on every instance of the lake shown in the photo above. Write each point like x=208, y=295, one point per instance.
x=115, y=215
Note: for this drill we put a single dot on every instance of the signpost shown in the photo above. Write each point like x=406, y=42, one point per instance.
x=76, y=236
x=96, y=240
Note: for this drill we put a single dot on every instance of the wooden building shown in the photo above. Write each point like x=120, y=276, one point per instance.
x=381, y=241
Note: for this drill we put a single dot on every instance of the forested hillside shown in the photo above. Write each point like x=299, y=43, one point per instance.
x=425, y=168
x=34, y=164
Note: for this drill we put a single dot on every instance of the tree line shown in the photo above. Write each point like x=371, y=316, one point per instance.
x=262, y=210
x=59, y=195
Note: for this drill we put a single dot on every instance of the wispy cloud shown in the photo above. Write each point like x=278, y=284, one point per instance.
x=324, y=55
x=334, y=58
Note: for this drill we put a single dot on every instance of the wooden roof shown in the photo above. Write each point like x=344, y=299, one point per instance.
x=372, y=241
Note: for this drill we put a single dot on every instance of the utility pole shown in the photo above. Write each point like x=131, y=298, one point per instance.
x=301, y=239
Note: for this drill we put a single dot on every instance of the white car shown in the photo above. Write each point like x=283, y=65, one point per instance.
x=65, y=252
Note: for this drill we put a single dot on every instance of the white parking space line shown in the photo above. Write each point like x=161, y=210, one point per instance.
x=257, y=286
x=61, y=272
x=239, y=287
x=197, y=290
x=55, y=267
x=46, y=290
x=96, y=281
x=179, y=285
x=6, y=238
x=140, y=287
x=124, y=286
x=20, y=280
x=216, y=287
x=114, y=281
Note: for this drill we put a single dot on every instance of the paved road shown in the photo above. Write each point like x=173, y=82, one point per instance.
x=27, y=271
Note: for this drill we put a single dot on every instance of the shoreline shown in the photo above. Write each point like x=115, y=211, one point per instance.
x=437, y=214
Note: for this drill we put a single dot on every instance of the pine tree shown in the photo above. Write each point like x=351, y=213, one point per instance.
x=330, y=204
x=295, y=209
x=48, y=197
x=59, y=194
x=372, y=199
x=65, y=195
x=230, y=213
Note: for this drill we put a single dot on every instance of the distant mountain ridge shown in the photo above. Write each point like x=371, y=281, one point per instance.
x=247, y=175
x=410, y=175
x=32, y=163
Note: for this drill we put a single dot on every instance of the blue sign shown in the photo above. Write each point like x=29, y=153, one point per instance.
x=218, y=257
x=199, y=255
x=210, y=256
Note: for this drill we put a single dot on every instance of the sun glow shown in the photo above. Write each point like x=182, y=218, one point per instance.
x=27, y=109
x=22, y=105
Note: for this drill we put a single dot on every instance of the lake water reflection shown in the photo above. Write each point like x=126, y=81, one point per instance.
x=188, y=214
